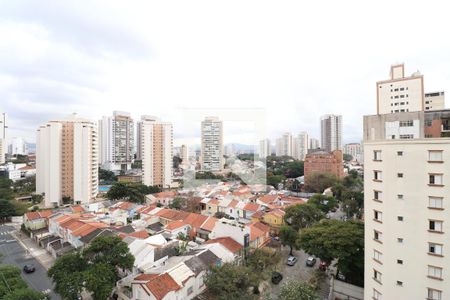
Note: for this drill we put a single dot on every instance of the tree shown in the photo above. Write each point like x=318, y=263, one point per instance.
x=230, y=282
x=105, y=175
x=275, y=180
x=13, y=287
x=7, y=210
x=177, y=203
x=347, y=157
x=302, y=215
x=6, y=191
x=117, y=191
x=25, y=294
x=343, y=241
x=294, y=169
x=318, y=182
x=296, y=290
x=352, y=203
x=324, y=203
x=289, y=236
x=176, y=160
x=95, y=268
x=263, y=260
x=37, y=198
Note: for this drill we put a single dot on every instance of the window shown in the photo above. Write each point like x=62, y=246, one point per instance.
x=377, y=195
x=377, y=255
x=434, y=248
x=377, y=155
x=376, y=295
x=399, y=153
x=377, y=275
x=399, y=283
x=400, y=240
x=434, y=294
x=400, y=175
x=435, y=202
x=377, y=215
x=377, y=175
x=435, y=272
x=436, y=179
x=400, y=196
x=377, y=236
x=406, y=136
x=402, y=89
x=428, y=123
x=408, y=123
x=399, y=218
x=400, y=262
x=435, y=225
x=435, y=156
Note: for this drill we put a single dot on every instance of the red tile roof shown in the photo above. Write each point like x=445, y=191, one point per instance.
x=142, y=234
x=159, y=285
x=228, y=243
x=172, y=214
x=252, y=207
x=34, y=215
x=268, y=198
x=167, y=194
x=209, y=224
x=77, y=209
x=175, y=225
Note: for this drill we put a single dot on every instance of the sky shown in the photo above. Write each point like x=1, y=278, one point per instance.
x=293, y=60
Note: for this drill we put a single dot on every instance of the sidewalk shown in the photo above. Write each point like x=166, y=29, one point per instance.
x=32, y=249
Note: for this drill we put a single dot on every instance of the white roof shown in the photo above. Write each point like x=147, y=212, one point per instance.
x=181, y=273
x=157, y=240
x=220, y=251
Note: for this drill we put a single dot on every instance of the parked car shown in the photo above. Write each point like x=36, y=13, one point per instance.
x=291, y=260
x=276, y=277
x=323, y=266
x=311, y=261
x=29, y=268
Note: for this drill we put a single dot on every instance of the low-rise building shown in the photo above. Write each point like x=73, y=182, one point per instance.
x=324, y=162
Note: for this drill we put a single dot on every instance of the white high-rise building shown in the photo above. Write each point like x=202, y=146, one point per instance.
x=355, y=150
x=116, y=141
x=18, y=146
x=139, y=134
x=184, y=155
x=67, y=161
x=2, y=138
x=264, y=148
x=212, y=145
x=301, y=145
x=402, y=93
x=331, y=132
x=284, y=145
x=314, y=143
x=156, y=140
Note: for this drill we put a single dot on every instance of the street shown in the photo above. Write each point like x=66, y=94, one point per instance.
x=13, y=254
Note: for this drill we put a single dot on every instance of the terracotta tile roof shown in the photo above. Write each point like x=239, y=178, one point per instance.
x=172, y=214
x=125, y=205
x=252, y=207
x=258, y=214
x=213, y=202
x=268, y=198
x=77, y=209
x=88, y=228
x=161, y=285
x=33, y=215
x=228, y=243
x=145, y=209
x=209, y=224
x=195, y=220
x=27, y=168
x=175, y=225
x=167, y=194
x=258, y=229
x=142, y=234
x=233, y=203
x=46, y=213
x=277, y=212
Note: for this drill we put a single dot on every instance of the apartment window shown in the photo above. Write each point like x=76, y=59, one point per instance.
x=435, y=249
x=399, y=283
x=400, y=175
x=376, y=295
x=378, y=216
x=406, y=136
x=399, y=153
x=435, y=202
x=408, y=123
x=435, y=225
x=399, y=218
x=402, y=89
x=435, y=156
x=377, y=255
x=428, y=123
x=377, y=195
x=434, y=294
x=436, y=179
x=377, y=155
x=377, y=175
x=377, y=275
x=377, y=236
x=400, y=240
x=400, y=262
x=434, y=272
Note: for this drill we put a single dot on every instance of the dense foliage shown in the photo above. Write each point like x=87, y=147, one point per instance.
x=13, y=287
x=302, y=216
x=296, y=290
x=324, y=203
x=134, y=192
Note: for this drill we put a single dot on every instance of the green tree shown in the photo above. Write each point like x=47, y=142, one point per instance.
x=176, y=160
x=7, y=210
x=6, y=191
x=100, y=280
x=289, y=237
x=230, y=282
x=25, y=294
x=352, y=203
x=294, y=169
x=275, y=180
x=263, y=261
x=318, y=182
x=343, y=241
x=177, y=203
x=13, y=287
x=68, y=275
x=117, y=191
x=324, y=203
x=302, y=215
x=106, y=175
x=37, y=198
x=347, y=157
x=296, y=290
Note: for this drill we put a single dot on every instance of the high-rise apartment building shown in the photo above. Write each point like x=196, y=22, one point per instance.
x=18, y=146
x=331, y=132
x=67, y=161
x=264, y=148
x=212, y=145
x=284, y=145
x=403, y=93
x=184, y=155
x=314, y=143
x=355, y=150
x=139, y=134
x=406, y=197
x=116, y=141
x=2, y=138
x=156, y=146
x=301, y=145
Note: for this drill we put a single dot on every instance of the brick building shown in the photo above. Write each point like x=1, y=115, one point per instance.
x=324, y=162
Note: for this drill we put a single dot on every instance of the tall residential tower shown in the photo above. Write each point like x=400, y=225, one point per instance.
x=212, y=145
x=331, y=132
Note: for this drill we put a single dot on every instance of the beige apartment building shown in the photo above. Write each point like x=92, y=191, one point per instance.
x=156, y=144
x=406, y=201
x=301, y=145
x=284, y=145
x=331, y=132
x=212, y=145
x=402, y=93
x=67, y=161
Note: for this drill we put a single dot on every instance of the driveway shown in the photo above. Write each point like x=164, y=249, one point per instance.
x=14, y=254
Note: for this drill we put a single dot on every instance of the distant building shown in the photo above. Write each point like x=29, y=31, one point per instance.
x=139, y=134
x=67, y=161
x=264, y=148
x=229, y=150
x=116, y=141
x=184, y=155
x=301, y=145
x=314, y=143
x=324, y=162
x=211, y=158
x=156, y=139
x=284, y=145
x=18, y=146
x=2, y=138
x=331, y=132
x=355, y=150
x=434, y=101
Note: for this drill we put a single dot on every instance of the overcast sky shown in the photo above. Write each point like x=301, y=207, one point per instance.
x=296, y=60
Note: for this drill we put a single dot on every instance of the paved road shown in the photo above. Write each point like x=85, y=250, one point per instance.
x=14, y=254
